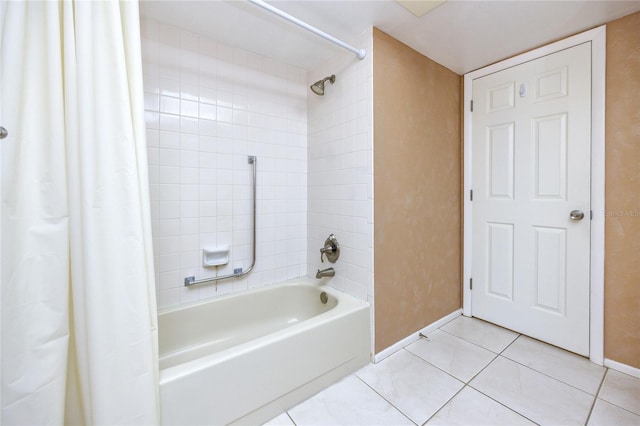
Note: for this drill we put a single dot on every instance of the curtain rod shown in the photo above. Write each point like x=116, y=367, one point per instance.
x=361, y=53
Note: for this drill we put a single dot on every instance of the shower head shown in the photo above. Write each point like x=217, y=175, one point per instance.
x=318, y=86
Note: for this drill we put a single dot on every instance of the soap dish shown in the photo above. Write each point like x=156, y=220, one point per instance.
x=215, y=257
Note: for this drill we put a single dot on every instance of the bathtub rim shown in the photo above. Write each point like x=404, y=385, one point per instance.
x=290, y=282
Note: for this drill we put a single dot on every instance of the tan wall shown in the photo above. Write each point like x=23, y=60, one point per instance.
x=622, y=241
x=417, y=206
x=416, y=261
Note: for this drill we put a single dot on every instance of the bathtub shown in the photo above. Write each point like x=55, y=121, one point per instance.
x=247, y=357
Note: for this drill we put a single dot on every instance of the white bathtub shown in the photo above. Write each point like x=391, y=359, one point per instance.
x=247, y=357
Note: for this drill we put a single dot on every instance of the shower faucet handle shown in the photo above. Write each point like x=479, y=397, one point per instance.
x=323, y=251
x=331, y=249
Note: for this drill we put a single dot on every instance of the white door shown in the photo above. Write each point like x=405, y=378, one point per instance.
x=530, y=170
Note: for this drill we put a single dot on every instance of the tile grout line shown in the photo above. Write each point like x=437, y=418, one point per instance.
x=481, y=370
x=536, y=371
x=290, y=418
x=510, y=344
x=468, y=384
x=435, y=366
x=382, y=396
x=465, y=384
x=480, y=346
x=504, y=405
x=595, y=397
x=541, y=372
x=551, y=377
x=444, y=405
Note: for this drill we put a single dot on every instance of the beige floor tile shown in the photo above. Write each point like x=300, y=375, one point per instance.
x=532, y=394
x=456, y=356
x=605, y=414
x=622, y=390
x=481, y=333
x=471, y=408
x=555, y=362
x=412, y=385
x=348, y=402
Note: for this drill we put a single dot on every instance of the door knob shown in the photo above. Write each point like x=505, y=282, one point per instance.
x=576, y=215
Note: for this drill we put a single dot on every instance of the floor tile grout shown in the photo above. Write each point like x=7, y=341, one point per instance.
x=468, y=341
x=444, y=405
x=468, y=383
x=383, y=397
x=617, y=406
x=432, y=365
x=497, y=355
x=597, y=395
x=503, y=404
x=501, y=354
x=480, y=346
x=464, y=384
x=549, y=376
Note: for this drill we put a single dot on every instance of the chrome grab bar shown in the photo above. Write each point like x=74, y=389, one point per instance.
x=189, y=281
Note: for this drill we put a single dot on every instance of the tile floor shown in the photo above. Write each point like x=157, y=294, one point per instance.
x=470, y=372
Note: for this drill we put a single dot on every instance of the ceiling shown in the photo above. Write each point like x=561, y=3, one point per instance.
x=461, y=35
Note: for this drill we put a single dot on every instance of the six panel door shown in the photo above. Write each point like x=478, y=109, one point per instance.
x=531, y=169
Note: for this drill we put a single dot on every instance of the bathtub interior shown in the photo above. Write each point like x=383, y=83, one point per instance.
x=189, y=332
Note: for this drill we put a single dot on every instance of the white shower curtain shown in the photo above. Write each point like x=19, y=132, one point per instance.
x=79, y=325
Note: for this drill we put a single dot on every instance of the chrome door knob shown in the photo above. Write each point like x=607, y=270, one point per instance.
x=576, y=215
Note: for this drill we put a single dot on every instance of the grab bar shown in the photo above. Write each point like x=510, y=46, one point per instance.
x=189, y=281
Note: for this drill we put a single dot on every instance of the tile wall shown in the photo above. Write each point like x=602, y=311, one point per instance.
x=209, y=106
x=340, y=174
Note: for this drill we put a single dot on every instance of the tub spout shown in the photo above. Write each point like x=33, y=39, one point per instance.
x=329, y=272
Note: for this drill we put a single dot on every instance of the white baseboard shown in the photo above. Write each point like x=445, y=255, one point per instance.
x=623, y=368
x=415, y=336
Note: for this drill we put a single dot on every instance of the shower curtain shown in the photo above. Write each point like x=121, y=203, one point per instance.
x=79, y=324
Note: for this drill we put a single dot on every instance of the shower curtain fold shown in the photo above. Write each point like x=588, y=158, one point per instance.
x=79, y=324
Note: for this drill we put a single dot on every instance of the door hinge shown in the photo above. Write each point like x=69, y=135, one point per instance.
x=591, y=214
x=471, y=195
x=471, y=105
x=470, y=283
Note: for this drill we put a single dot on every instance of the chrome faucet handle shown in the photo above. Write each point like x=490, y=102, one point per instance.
x=331, y=249
x=325, y=250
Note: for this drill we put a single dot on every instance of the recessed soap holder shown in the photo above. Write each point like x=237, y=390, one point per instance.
x=215, y=257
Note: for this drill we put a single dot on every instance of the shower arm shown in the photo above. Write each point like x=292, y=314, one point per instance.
x=360, y=53
x=189, y=281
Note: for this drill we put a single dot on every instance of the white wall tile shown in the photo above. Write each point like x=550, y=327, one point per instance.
x=169, y=87
x=204, y=115
x=188, y=129
x=340, y=174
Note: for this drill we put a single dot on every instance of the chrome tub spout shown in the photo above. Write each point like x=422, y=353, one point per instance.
x=329, y=272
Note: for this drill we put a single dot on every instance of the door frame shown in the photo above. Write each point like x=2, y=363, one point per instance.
x=597, y=37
